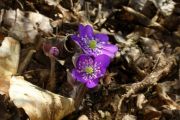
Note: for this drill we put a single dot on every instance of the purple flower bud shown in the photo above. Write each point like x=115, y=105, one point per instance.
x=94, y=44
x=54, y=51
x=89, y=69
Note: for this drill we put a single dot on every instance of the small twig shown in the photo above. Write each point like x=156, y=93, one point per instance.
x=87, y=10
x=158, y=59
x=27, y=59
x=98, y=17
x=15, y=18
x=31, y=5
x=2, y=13
x=72, y=5
x=20, y=4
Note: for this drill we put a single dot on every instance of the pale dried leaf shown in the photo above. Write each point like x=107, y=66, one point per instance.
x=25, y=25
x=39, y=104
x=129, y=117
x=52, y=2
x=9, y=56
x=140, y=101
x=83, y=117
x=166, y=6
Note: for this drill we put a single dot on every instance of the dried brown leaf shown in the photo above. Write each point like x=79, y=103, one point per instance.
x=151, y=113
x=164, y=97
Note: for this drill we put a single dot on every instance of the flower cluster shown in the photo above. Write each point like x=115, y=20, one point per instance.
x=92, y=64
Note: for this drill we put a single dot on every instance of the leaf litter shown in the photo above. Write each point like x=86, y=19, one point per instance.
x=141, y=82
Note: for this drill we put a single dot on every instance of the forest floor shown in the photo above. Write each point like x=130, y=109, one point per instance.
x=142, y=82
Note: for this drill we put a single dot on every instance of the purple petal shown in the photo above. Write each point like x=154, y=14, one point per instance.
x=75, y=37
x=89, y=31
x=109, y=50
x=108, y=53
x=102, y=60
x=92, y=83
x=82, y=31
x=101, y=73
x=78, y=76
x=73, y=73
x=101, y=37
x=83, y=61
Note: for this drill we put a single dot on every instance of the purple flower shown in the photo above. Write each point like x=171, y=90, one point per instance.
x=89, y=69
x=94, y=44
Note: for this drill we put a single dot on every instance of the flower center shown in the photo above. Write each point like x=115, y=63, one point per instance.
x=89, y=70
x=92, y=44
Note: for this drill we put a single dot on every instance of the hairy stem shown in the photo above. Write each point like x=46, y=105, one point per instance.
x=80, y=95
x=52, y=78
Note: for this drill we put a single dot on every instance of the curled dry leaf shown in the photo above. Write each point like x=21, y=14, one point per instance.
x=163, y=96
x=140, y=101
x=38, y=103
x=25, y=25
